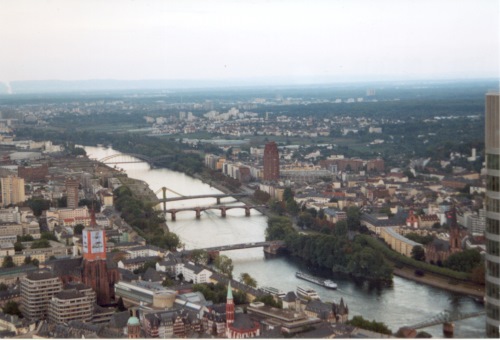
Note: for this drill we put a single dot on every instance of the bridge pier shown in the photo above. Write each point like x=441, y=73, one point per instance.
x=172, y=215
x=273, y=248
x=218, y=200
x=164, y=189
x=223, y=212
x=198, y=213
x=247, y=211
x=448, y=329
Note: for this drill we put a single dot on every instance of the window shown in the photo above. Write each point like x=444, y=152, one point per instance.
x=492, y=204
x=493, y=162
x=493, y=226
x=492, y=183
x=492, y=247
x=493, y=269
x=493, y=291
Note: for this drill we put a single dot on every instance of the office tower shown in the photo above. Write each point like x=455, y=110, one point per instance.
x=12, y=190
x=492, y=146
x=271, y=162
x=37, y=289
x=72, y=193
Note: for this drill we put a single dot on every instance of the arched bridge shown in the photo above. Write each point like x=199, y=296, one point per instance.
x=122, y=158
x=446, y=318
x=223, y=209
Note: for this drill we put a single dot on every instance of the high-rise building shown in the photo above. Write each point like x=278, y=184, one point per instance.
x=72, y=193
x=271, y=162
x=492, y=146
x=12, y=190
x=37, y=289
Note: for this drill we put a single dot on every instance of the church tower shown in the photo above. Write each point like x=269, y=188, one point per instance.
x=229, y=306
x=455, y=237
x=95, y=270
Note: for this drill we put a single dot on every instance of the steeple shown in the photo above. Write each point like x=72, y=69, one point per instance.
x=93, y=223
x=229, y=291
x=229, y=306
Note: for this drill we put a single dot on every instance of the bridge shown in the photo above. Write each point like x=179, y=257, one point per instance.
x=446, y=318
x=270, y=247
x=181, y=197
x=223, y=209
x=122, y=158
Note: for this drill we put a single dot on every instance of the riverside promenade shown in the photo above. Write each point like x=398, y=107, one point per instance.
x=471, y=289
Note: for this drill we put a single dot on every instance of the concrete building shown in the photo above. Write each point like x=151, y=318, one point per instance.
x=492, y=151
x=72, y=192
x=12, y=190
x=37, y=289
x=76, y=303
x=271, y=162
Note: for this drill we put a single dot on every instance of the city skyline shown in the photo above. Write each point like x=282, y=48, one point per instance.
x=295, y=41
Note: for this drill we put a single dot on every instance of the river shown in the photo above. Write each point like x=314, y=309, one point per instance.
x=405, y=303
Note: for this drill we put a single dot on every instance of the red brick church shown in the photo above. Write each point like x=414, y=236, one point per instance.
x=439, y=250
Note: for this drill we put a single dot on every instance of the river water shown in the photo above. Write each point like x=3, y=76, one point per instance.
x=405, y=303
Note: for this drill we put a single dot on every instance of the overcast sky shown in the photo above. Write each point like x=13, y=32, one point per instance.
x=241, y=39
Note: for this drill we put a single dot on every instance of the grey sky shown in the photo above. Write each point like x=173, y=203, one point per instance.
x=188, y=39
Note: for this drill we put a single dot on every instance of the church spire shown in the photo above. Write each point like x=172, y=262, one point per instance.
x=229, y=291
x=93, y=223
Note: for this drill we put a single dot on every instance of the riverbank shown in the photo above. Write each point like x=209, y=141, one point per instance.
x=430, y=279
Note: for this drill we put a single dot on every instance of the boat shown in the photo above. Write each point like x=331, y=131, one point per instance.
x=325, y=283
x=307, y=293
x=273, y=291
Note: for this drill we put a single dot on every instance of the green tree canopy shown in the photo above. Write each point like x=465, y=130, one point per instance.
x=248, y=280
x=78, y=229
x=12, y=308
x=464, y=261
x=8, y=262
x=379, y=327
x=278, y=228
x=224, y=265
x=418, y=253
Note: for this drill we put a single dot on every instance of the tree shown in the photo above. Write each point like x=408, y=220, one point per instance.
x=278, y=228
x=277, y=207
x=12, y=308
x=418, y=253
x=379, y=327
x=305, y=220
x=269, y=300
x=120, y=306
x=248, y=280
x=464, y=261
x=18, y=246
x=199, y=256
x=47, y=235
x=3, y=287
x=38, y=205
x=25, y=238
x=78, y=229
x=8, y=262
x=41, y=243
x=224, y=265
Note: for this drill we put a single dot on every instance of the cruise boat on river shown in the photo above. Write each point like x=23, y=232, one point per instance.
x=273, y=291
x=325, y=283
x=307, y=293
